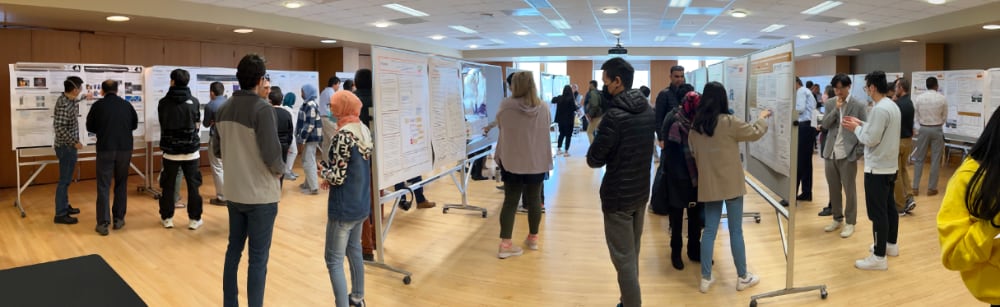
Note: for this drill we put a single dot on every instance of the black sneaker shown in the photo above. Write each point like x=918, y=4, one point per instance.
x=910, y=205
x=405, y=205
x=118, y=224
x=72, y=210
x=368, y=257
x=804, y=197
x=217, y=202
x=356, y=303
x=65, y=219
x=826, y=212
x=102, y=229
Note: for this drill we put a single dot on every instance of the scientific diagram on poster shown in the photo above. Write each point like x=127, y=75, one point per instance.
x=770, y=88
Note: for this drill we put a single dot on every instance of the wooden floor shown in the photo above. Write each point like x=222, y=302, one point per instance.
x=453, y=256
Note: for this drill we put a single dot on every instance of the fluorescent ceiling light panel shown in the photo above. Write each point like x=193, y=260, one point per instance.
x=539, y=4
x=525, y=12
x=555, y=34
x=712, y=32
x=660, y=38
x=742, y=41
x=328, y=41
x=679, y=3
x=853, y=49
x=497, y=41
x=817, y=55
x=576, y=38
x=707, y=11
x=805, y=36
x=685, y=34
x=772, y=28
x=908, y=41
x=405, y=10
x=463, y=29
x=822, y=7
x=118, y=18
x=243, y=31
x=668, y=24
x=560, y=24
x=437, y=37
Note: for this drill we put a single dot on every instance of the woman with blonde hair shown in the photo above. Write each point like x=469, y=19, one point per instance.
x=525, y=156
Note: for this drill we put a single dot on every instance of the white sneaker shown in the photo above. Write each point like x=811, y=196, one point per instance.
x=873, y=263
x=746, y=282
x=847, y=232
x=505, y=253
x=705, y=284
x=167, y=222
x=194, y=224
x=890, y=249
x=833, y=226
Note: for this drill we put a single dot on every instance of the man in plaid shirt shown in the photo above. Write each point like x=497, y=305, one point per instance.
x=66, y=125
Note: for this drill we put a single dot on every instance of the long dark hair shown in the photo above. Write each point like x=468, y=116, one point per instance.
x=567, y=91
x=981, y=197
x=713, y=103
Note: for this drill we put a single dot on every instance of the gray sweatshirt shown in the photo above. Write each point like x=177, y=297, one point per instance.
x=880, y=134
x=248, y=140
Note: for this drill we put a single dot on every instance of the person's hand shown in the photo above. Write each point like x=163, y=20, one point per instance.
x=325, y=185
x=840, y=102
x=765, y=114
x=660, y=143
x=851, y=123
x=78, y=146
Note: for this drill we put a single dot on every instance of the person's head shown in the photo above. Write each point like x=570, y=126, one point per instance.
x=179, y=77
x=522, y=85
x=593, y=84
x=309, y=93
x=713, y=103
x=798, y=83
x=902, y=86
x=250, y=72
x=333, y=82
x=346, y=107
x=689, y=104
x=349, y=85
x=815, y=88
x=109, y=87
x=932, y=83
x=72, y=86
x=216, y=89
x=567, y=91
x=275, y=97
x=841, y=86
x=981, y=198
x=809, y=85
x=876, y=85
x=618, y=75
x=288, y=100
x=830, y=93
x=363, y=79
x=576, y=88
x=645, y=91
x=676, y=75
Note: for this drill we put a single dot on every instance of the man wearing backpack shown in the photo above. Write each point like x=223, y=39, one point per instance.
x=595, y=109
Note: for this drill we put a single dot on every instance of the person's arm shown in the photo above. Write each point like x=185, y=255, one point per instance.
x=92, y=124
x=832, y=117
x=944, y=111
x=800, y=103
x=301, y=123
x=966, y=243
x=196, y=114
x=747, y=132
x=607, y=140
x=266, y=133
x=339, y=155
x=61, y=121
x=134, y=117
x=209, y=119
x=662, y=104
x=870, y=132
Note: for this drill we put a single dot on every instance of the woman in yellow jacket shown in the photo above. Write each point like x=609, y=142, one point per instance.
x=969, y=220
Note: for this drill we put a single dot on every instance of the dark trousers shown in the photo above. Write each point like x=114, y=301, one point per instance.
x=584, y=123
x=807, y=141
x=418, y=193
x=284, y=158
x=565, y=132
x=67, y=162
x=192, y=176
x=529, y=193
x=112, y=164
x=623, y=232
x=696, y=221
x=881, y=210
x=256, y=222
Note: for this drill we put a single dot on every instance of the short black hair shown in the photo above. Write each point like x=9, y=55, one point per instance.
x=676, y=68
x=877, y=78
x=109, y=87
x=180, y=77
x=843, y=79
x=363, y=79
x=932, y=83
x=333, y=81
x=217, y=88
x=891, y=86
x=645, y=90
x=348, y=84
x=250, y=70
x=593, y=83
x=509, y=77
x=798, y=81
x=275, y=97
x=619, y=68
x=904, y=84
x=72, y=83
x=809, y=84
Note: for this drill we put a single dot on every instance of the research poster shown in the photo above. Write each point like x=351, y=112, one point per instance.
x=402, y=115
x=993, y=93
x=448, y=135
x=716, y=72
x=965, y=102
x=700, y=79
x=770, y=88
x=35, y=87
x=735, y=76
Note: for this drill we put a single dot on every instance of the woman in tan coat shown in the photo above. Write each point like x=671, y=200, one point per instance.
x=715, y=142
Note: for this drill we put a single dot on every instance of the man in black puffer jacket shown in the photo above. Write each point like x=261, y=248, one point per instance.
x=180, y=126
x=622, y=144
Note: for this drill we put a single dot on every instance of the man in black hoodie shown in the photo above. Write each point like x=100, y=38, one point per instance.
x=669, y=98
x=112, y=120
x=180, y=126
x=622, y=144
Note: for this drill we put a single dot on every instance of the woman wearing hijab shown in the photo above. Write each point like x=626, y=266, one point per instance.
x=680, y=180
x=288, y=103
x=309, y=131
x=565, y=110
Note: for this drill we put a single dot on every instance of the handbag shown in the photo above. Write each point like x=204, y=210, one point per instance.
x=659, y=196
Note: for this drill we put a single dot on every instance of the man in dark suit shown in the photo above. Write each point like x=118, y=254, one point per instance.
x=112, y=119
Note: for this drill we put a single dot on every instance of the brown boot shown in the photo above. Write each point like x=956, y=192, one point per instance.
x=426, y=204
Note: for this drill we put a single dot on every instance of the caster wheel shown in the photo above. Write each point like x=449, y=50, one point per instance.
x=823, y=294
x=757, y=220
x=753, y=303
x=23, y=215
x=484, y=215
x=406, y=280
x=444, y=211
x=156, y=197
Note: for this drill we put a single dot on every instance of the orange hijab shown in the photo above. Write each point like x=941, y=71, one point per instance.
x=346, y=107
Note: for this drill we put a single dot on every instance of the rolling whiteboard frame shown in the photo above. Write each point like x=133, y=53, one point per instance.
x=784, y=186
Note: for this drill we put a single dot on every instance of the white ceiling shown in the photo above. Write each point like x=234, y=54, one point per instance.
x=641, y=20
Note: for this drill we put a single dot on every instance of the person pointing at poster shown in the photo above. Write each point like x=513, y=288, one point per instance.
x=67, y=141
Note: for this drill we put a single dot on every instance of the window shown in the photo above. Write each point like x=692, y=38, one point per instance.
x=711, y=62
x=534, y=67
x=689, y=65
x=556, y=68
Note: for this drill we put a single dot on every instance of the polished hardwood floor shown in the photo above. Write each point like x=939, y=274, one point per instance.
x=453, y=256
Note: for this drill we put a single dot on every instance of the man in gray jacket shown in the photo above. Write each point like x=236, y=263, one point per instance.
x=248, y=142
x=841, y=155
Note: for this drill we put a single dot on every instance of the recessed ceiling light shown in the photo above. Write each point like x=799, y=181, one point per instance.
x=328, y=41
x=609, y=10
x=660, y=38
x=405, y=10
x=615, y=31
x=738, y=14
x=935, y=1
x=576, y=38
x=854, y=23
x=696, y=44
x=712, y=32
x=805, y=36
x=991, y=27
x=742, y=41
x=382, y=24
x=292, y=4
x=543, y=44
x=772, y=28
x=473, y=46
x=243, y=31
x=679, y=3
x=816, y=55
x=822, y=7
x=463, y=29
x=118, y=18
x=497, y=41
x=522, y=32
x=853, y=49
x=437, y=37
x=908, y=41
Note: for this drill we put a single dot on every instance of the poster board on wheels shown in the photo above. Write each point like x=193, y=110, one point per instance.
x=770, y=86
x=402, y=115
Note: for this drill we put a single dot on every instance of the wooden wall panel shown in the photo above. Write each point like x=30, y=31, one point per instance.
x=143, y=51
x=218, y=55
x=102, y=49
x=659, y=77
x=303, y=59
x=55, y=46
x=182, y=53
x=329, y=62
x=277, y=58
x=935, y=57
x=580, y=73
x=17, y=49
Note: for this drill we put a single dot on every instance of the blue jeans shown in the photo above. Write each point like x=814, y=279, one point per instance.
x=713, y=215
x=345, y=237
x=309, y=165
x=257, y=223
x=67, y=162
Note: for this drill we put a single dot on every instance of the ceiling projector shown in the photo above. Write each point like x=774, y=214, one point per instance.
x=618, y=49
